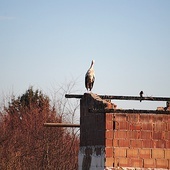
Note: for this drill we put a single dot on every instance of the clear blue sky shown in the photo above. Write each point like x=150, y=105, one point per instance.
x=49, y=43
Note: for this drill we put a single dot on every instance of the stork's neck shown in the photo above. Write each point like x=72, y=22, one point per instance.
x=92, y=64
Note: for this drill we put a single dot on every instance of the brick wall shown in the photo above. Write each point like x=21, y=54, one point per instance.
x=138, y=140
x=110, y=140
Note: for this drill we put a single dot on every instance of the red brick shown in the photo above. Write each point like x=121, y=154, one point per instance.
x=109, y=142
x=167, y=143
x=167, y=135
x=154, y=143
x=109, y=134
x=124, y=162
x=161, y=163
x=157, y=118
x=159, y=126
x=146, y=134
x=109, y=117
x=166, y=118
x=132, y=153
x=115, y=143
x=158, y=153
x=168, y=126
x=136, y=162
x=135, y=126
x=109, y=162
x=122, y=125
x=149, y=163
x=163, y=135
x=167, y=154
x=147, y=126
x=120, y=134
x=124, y=142
x=146, y=143
x=145, y=118
x=109, y=125
x=136, y=143
x=133, y=134
x=120, y=152
x=120, y=117
x=159, y=143
x=157, y=135
x=109, y=152
x=145, y=153
x=116, y=162
x=133, y=118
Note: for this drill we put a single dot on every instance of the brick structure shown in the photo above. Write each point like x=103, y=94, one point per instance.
x=114, y=140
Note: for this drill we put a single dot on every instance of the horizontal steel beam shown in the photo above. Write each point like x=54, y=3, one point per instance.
x=135, y=98
x=61, y=125
x=112, y=97
x=77, y=96
x=128, y=111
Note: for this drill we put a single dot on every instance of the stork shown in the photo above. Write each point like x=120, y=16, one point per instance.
x=90, y=77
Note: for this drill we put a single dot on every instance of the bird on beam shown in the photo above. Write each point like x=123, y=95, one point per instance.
x=141, y=95
x=90, y=77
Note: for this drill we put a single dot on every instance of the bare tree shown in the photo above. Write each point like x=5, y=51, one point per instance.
x=26, y=144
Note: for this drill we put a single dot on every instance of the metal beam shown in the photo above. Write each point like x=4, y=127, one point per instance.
x=61, y=125
x=77, y=96
x=135, y=98
x=128, y=111
x=111, y=97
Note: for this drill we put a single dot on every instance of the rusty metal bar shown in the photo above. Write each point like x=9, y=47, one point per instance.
x=111, y=97
x=77, y=96
x=61, y=125
x=128, y=111
x=135, y=98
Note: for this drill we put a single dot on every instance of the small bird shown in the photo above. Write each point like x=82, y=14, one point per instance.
x=90, y=77
x=141, y=95
x=167, y=106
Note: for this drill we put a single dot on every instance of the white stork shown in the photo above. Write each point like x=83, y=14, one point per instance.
x=90, y=77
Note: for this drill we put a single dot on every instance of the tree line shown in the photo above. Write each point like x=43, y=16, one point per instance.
x=26, y=144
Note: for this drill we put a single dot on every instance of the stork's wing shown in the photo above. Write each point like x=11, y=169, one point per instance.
x=93, y=81
x=86, y=79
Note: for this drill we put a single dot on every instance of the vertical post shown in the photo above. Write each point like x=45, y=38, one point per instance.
x=92, y=132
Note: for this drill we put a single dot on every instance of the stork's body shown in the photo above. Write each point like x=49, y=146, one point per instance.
x=90, y=77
